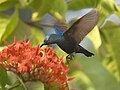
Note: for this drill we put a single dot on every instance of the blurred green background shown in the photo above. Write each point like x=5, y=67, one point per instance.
x=33, y=18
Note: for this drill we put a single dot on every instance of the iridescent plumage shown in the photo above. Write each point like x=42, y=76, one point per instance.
x=68, y=39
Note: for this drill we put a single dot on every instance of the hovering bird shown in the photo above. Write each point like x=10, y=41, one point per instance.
x=68, y=39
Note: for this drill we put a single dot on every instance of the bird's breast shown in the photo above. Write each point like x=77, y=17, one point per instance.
x=67, y=45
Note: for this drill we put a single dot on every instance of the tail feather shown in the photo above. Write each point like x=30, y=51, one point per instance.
x=80, y=49
x=87, y=53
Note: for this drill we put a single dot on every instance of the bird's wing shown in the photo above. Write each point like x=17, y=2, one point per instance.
x=60, y=27
x=82, y=26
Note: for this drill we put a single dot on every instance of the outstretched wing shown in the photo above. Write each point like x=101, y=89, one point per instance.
x=60, y=27
x=82, y=26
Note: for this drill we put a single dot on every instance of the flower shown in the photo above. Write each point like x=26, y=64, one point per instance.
x=35, y=63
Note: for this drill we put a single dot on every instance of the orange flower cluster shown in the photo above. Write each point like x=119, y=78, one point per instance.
x=35, y=63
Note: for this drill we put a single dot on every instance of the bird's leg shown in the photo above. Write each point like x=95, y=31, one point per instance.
x=69, y=57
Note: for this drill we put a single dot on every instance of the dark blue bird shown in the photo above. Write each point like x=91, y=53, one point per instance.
x=68, y=39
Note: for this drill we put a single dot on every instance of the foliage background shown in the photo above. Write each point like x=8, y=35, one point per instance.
x=26, y=17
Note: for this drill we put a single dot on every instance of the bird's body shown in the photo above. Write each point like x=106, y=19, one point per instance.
x=68, y=39
x=67, y=45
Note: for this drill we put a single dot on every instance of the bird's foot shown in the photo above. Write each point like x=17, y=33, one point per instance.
x=69, y=57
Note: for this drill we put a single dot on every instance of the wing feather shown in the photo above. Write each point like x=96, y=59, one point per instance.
x=82, y=26
x=60, y=26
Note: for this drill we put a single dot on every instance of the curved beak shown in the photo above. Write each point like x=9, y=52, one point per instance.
x=46, y=43
x=42, y=44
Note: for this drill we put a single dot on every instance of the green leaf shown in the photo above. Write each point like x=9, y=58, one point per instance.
x=35, y=35
x=35, y=85
x=81, y=81
x=3, y=77
x=36, y=4
x=24, y=3
x=110, y=35
x=94, y=36
x=80, y=4
x=59, y=8
x=12, y=78
x=19, y=32
x=1, y=1
x=12, y=23
x=105, y=7
x=40, y=8
x=3, y=24
x=99, y=76
x=6, y=4
x=15, y=83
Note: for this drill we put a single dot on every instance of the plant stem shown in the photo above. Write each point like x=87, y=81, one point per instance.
x=14, y=86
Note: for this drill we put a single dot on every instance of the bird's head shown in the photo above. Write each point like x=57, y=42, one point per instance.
x=49, y=39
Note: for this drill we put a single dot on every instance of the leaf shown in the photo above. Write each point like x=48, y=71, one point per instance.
x=19, y=32
x=3, y=24
x=105, y=7
x=112, y=18
x=12, y=23
x=99, y=76
x=12, y=78
x=24, y=3
x=40, y=8
x=35, y=85
x=59, y=8
x=2, y=1
x=100, y=4
x=81, y=81
x=3, y=77
x=37, y=37
x=6, y=4
x=34, y=35
x=80, y=4
x=110, y=34
x=15, y=83
x=94, y=36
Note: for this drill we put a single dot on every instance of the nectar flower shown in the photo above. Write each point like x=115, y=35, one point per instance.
x=35, y=63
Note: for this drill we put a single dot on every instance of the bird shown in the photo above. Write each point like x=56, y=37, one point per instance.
x=68, y=39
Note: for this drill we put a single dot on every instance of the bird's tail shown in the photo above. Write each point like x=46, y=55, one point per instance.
x=84, y=51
